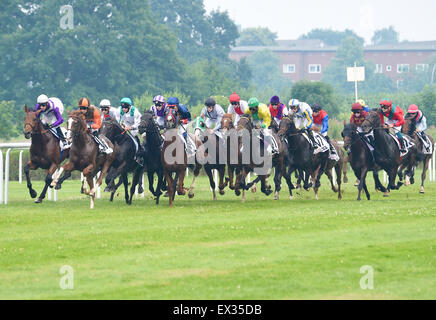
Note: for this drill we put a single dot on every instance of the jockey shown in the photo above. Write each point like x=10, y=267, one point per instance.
x=93, y=121
x=184, y=117
x=421, y=124
x=237, y=107
x=303, y=117
x=358, y=116
x=363, y=104
x=321, y=124
x=107, y=111
x=213, y=113
x=51, y=116
x=158, y=109
x=394, y=119
x=261, y=118
x=277, y=109
x=130, y=118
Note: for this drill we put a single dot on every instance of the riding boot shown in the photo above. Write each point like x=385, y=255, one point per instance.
x=139, y=156
x=61, y=136
x=402, y=148
x=310, y=135
x=333, y=153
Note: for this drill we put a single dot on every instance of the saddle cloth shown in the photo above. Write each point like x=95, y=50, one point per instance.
x=407, y=143
x=321, y=144
x=427, y=148
x=64, y=132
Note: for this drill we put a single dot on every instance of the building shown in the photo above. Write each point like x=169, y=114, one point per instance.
x=307, y=59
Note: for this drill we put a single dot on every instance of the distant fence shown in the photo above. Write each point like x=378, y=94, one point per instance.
x=4, y=170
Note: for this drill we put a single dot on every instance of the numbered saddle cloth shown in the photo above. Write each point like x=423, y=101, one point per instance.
x=427, y=147
x=321, y=144
x=407, y=143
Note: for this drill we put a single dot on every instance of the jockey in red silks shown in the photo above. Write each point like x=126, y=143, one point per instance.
x=395, y=119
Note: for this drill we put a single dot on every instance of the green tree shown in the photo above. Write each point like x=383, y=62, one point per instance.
x=385, y=36
x=331, y=37
x=316, y=92
x=428, y=103
x=259, y=36
x=8, y=125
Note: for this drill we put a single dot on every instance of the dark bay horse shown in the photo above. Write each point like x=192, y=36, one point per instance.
x=246, y=158
x=45, y=151
x=153, y=150
x=386, y=150
x=361, y=160
x=124, y=161
x=85, y=155
x=409, y=128
x=299, y=155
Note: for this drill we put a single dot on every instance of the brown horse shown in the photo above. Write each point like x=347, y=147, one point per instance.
x=409, y=128
x=45, y=151
x=85, y=155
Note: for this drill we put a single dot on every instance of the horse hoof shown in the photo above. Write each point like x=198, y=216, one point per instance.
x=253, y=190
x=276, y=197
x=166, y=194
x=268, y=192
x=191, y=195
x=33, y=194
x=222, y=192
x=291, y=197
x=58, y=186
x=345, y=180
x=386, y=194
x=39, y=200
x=140, y=190
x=237, y=193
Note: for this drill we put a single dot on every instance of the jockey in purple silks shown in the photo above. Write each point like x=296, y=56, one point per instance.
x=51, y=115
x=158, y=109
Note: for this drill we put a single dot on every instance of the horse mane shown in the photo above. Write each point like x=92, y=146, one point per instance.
x=227, y=116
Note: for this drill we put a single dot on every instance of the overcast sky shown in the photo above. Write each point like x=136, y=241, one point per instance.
x=415, y=20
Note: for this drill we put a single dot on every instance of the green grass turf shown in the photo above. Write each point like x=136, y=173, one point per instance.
x=201, y=249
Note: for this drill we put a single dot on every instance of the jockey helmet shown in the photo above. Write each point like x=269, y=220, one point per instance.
x=42, y=99
x=316, y=107
x=234, y=97
x=159, y=99
x=210, y=102
x=356, y=106
x=294, y=103
x=413, y=109
x=386, y=102
x=173, y=101
x=275, y=100
x=253, y=102
x=105, y=103
x=84, y=103
x=126, y=101
x=362, y=102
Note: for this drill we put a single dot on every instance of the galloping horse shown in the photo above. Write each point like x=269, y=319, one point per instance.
x=386, y=149
x=124, y=161
x=245, y=127
x=176, y=160
x=45, y=151
x=409, y=128
x=299, y=155
x=361, y=160
x=153, y=149
x=84, y=155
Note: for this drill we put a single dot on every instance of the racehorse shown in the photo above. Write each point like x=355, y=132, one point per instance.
x=153, y=149
x=176, y=160
x=124, y=161
x=409, y=128
x=45, y=151
x=84, y=155
x=386, y=149
x=361, y=160
x=300, y=155
x=245, y=127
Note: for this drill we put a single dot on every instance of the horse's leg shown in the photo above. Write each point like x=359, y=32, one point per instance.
x=48, y=180
x=221, y=183
x=329, y=175
x=241, y=183
x=315, y=177
x=338, y=169
x=169, y=180
x=141, y=182
x=231, y=170
x=344, y=168
x=288, y=174
x=424, y=172
x=90, y=180
x=361, y=174
x=278, y=172
x=401, y=176
x=211, y=181
x=115, y=188
x=263, y=185
x=160, y=184
x=181, y=190
x=137, y=174
x=192, y=186
x=30, y=166
x=150, y=175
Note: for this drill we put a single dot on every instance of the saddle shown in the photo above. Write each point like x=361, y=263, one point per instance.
x=407, y=143
x=61, y=144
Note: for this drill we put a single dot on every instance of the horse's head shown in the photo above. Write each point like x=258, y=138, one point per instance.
x=245, y=123
x=32, y=125
x=110, y=128
x=349, y=134
x=372, y=121
x=409, y=125
x=286, y=127
x=226, y=123
x=147, y=123
x=274, y=126
x=171, y=119
x=75, y=124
